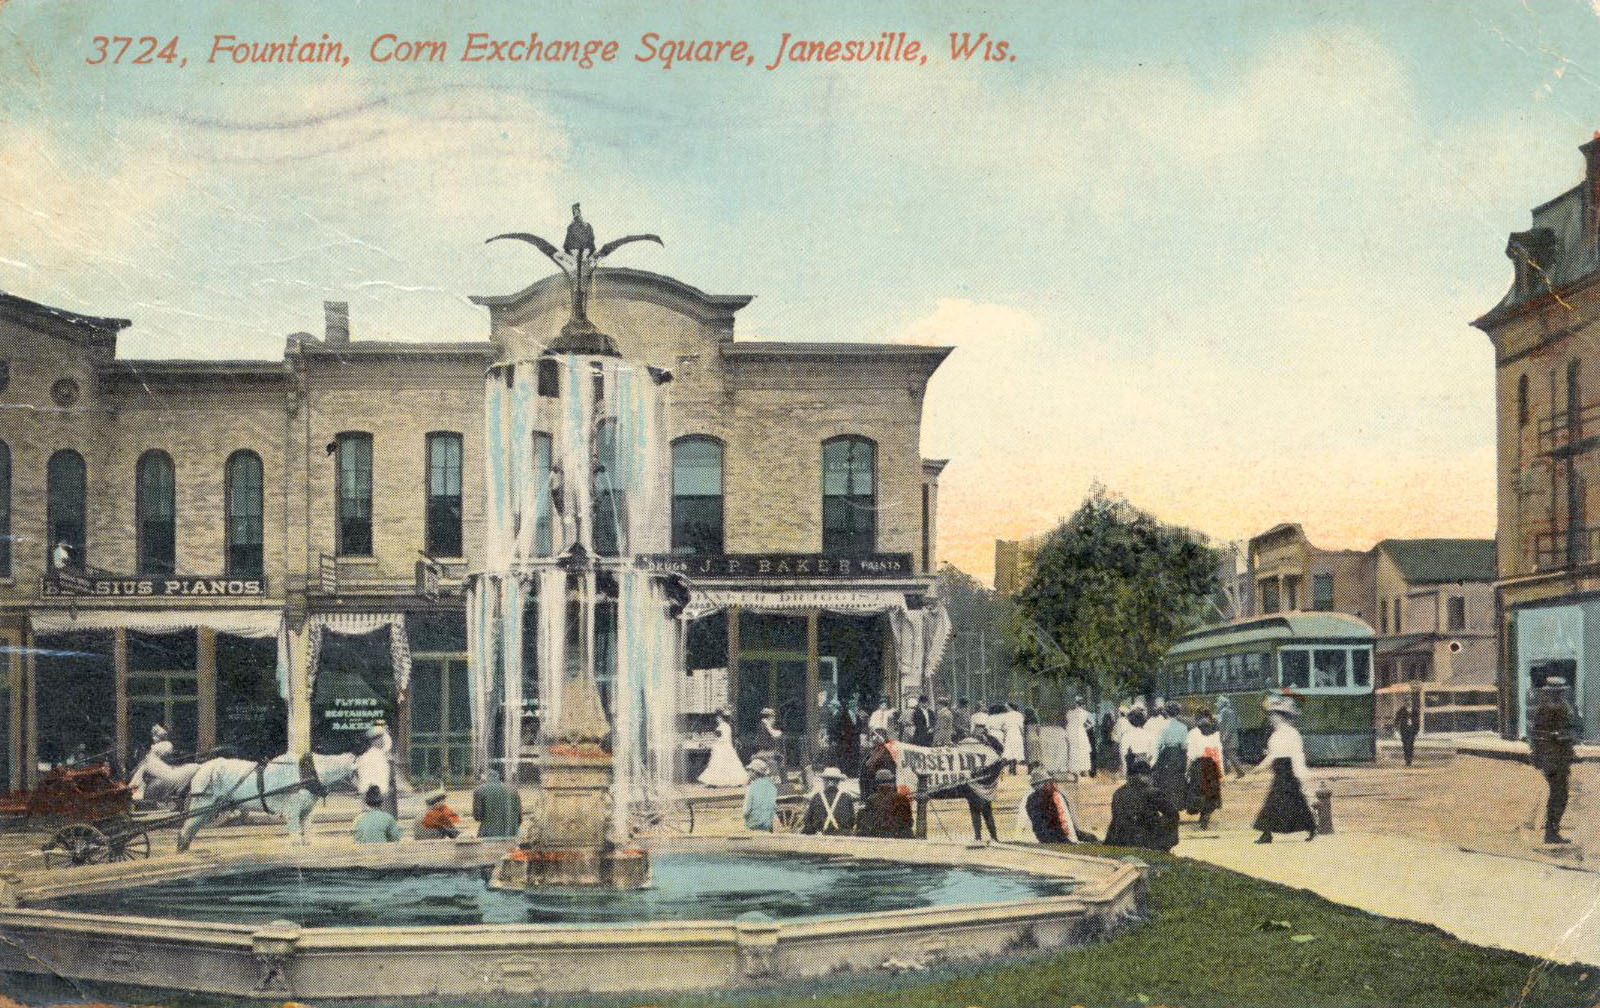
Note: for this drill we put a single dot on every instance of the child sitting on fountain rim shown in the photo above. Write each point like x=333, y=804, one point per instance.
x=375, y=825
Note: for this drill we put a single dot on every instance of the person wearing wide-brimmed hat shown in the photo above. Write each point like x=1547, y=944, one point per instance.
x=438, y=820
x=1287, y=808
x=831, y=810
x=887, y=813
x=760, y=798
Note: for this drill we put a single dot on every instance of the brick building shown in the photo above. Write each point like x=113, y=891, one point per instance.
x=270, y=555
x=1547, y=369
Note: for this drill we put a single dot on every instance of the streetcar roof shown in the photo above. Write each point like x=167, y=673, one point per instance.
x=1273, y=629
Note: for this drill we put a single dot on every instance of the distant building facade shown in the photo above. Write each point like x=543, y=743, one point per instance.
x=1013, y=562
x=270, y=554
x=1430, y=602
x=1436, y=632
x=1546, y=343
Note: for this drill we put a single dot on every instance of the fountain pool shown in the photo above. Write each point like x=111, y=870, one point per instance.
x=686, y=886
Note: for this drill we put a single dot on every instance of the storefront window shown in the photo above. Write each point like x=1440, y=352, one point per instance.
x=354, y=688
x=252, y=718
x=75, y=696
x=163, y=688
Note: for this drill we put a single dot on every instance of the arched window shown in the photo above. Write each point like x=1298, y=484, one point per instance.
x=5, y=510
x=155, y=514
x=1522, y=401
x=697, y=495
x=444, y=495
x=242, y=488
x=610, y=503
x=66, y=511
x=849, y=495
x=352, y=460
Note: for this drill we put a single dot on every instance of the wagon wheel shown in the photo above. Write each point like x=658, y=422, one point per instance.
x=790, y=816
x=663, y=819
x=78, y=844
x=128, y=846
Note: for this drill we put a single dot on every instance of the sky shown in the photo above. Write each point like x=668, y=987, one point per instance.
x=1219, y=257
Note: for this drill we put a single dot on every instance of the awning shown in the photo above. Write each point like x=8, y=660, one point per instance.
x=254, y=623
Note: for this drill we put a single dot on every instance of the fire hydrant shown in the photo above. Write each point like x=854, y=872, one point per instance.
x=1324, y=809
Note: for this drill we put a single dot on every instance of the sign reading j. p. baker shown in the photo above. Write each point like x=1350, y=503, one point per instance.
x=56, y=585
x=781, y=566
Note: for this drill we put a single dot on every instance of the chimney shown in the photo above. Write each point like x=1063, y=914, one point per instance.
x=1591, y=189
x=336, y=315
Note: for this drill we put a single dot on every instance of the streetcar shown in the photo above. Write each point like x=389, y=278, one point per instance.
x=1324, y=659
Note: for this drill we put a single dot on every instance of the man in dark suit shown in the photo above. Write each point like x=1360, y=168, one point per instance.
x=1552, y=751
x=921, y=722
x=1405, y=725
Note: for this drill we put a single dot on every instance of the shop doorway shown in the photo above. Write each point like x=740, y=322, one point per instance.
x=439, y=746
x=775, y=679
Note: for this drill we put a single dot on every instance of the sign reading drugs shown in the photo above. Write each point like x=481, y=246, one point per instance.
x=943, y=767
x=96, y=586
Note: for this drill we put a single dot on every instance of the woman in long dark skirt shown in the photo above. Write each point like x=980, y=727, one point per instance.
x=1205, y=769
x=1286, y=809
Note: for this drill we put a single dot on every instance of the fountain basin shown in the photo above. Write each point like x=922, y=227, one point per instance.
x=1058, y=900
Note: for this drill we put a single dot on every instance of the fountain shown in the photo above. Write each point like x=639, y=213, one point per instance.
x=577, y=480
x=578, y=486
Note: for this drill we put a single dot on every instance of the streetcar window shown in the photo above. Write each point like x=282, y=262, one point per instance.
x=1332, y=667
x=1235, y=670
x=1294, y=666
x=1361, y=667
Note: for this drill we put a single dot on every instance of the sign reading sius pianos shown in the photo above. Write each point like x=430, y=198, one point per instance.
x=97, y=586
x=781, y=566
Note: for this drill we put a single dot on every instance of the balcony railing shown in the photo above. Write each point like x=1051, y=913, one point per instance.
x=1574, y=547
x=1559, y=434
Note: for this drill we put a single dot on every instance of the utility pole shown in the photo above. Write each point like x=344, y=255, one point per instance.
x=983, y=646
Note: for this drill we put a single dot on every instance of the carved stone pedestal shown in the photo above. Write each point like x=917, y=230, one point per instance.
x=568, y=845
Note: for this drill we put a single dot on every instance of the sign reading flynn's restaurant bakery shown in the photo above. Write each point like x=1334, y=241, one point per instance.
x=75, y=585
x=781, y=566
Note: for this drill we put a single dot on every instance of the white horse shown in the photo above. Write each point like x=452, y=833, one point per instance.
x=222, y=784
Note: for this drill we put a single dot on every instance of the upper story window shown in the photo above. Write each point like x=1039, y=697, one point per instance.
x=1574, y=396
x=1396, y=620
x=1269, y=596
x=1322, y=592
x=1383, y=616
x=1522, y=401
x=697, y=495
x=1455, y=613
x=444, y=495
x=5, y=510
x=242, y=490
x=849, y=495
x=353, y=493
x=155, y=514
x=66, y=510
x=610, y=503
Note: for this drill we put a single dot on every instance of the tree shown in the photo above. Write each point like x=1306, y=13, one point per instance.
x=1110, y=591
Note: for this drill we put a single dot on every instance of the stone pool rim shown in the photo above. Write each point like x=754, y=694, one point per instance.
x=521, y=962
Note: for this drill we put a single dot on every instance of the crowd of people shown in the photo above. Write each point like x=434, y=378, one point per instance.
x=1172, y=760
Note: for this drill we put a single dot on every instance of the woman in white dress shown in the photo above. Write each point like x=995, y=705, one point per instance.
x=724, y=769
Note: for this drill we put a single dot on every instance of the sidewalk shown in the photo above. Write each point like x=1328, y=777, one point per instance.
x=1487, y=899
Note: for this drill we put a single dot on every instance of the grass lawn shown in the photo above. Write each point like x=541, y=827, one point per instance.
x=1207, y=948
